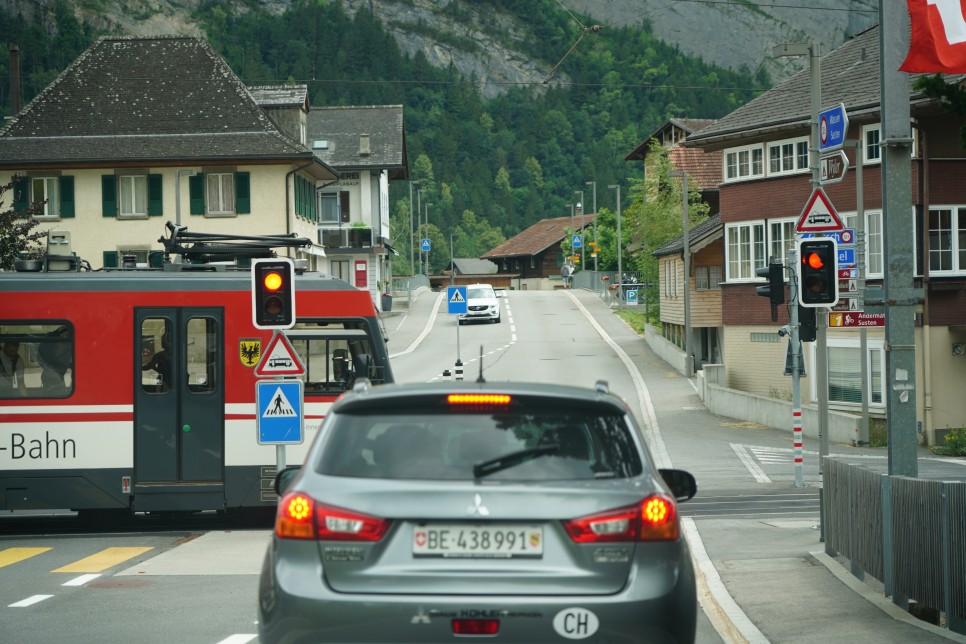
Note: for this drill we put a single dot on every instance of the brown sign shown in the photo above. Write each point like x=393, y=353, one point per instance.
x=855, y=319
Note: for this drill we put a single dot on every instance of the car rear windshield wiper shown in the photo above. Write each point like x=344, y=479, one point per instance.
x=494, y=465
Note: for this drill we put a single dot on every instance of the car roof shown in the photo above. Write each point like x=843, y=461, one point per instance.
x=364, y=396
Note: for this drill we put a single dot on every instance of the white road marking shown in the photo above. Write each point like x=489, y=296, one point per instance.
x=238, y=638
x=30, y=601
x=749, y=462
x=80, y=581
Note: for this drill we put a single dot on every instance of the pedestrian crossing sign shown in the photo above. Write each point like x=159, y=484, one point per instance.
x=456, y=296
x=279, y=412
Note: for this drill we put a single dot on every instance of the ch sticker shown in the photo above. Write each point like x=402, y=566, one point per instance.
x=250, y=351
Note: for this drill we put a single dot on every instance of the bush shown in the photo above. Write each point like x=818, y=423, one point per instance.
x=953, y=445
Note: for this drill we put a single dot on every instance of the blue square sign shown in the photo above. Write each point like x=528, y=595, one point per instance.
x=279, y=412
x=456, y=298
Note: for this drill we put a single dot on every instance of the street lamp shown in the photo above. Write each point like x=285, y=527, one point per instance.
x=594, y=184
x=620, y=274
x=580, y=211
x=427, y=236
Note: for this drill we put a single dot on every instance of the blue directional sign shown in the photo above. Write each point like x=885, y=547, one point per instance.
x=842, y=237
x=278, y=412
x=424, y=245
x=456, y=297
x=846, y=256
x=575, y=241
x=833, y=125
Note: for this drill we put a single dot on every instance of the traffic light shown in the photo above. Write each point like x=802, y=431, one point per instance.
x=818, y=274
x=273, y=293
x=806, y=324
x=775, y=291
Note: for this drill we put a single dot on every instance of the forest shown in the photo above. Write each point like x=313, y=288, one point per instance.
x=489, y=168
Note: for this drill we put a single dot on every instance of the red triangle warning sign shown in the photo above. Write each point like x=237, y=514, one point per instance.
x=279, y=359
x=819, y=214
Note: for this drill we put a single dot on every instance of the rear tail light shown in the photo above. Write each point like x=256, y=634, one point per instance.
x=653, y=519
x=301, y=517
x=476, y=626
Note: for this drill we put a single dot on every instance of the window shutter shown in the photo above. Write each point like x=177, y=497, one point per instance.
x=109, y=196
x=20, y=193
x=110, y=259
x=196, y=194
x=344, y=206
x=66, y=197
x=243, y=198
x=155, y=195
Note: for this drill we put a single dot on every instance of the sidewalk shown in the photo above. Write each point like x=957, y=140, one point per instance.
x=759, y=580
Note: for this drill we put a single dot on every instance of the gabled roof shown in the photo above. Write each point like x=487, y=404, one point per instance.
x=539, y=237
x=689, y=126
x=162, y=99
x=340, y=130
x=850, y=75
x=473, y=266
x=273, y=96
x=698, y=237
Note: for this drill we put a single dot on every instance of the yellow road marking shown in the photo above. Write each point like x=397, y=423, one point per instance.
x=13, y=555
x=103, y=559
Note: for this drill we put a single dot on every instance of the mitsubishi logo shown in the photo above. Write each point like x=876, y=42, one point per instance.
x=478, y=507
x=421, y=617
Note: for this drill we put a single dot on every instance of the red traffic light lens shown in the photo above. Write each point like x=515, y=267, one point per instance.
x=814, y=260
x=272, y=281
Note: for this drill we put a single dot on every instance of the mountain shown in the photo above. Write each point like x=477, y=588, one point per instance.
x=491, y=40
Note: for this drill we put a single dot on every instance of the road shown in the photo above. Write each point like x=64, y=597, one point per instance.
x=198, y=584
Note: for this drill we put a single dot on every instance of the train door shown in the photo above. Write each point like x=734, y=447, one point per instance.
x=179, y=409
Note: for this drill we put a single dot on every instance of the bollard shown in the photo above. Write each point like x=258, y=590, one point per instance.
x=459, y=370
x=446, y=374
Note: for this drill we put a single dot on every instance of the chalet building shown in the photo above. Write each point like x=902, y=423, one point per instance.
x=138, y=132
x=706, y=259
x=535, y=255
x=764, y=188
x=366, y=145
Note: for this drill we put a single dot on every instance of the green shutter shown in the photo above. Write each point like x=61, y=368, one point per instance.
x=21, y=191
x=67, y=197
x=155, y=195
x=196, y=194
x=110, y=259
x=109, y=196
x=243, y=193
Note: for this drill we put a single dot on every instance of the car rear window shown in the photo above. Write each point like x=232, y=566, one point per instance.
x=479, y=292
x=463, y=446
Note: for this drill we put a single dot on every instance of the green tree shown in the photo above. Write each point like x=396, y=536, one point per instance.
x=17, y=235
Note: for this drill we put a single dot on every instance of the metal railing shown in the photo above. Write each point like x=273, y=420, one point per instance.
x=910, y=534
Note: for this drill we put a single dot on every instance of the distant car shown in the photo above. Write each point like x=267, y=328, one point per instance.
x=481, y=304
x=506, y=511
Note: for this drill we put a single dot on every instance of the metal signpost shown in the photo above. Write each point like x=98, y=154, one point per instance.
x=456, y=305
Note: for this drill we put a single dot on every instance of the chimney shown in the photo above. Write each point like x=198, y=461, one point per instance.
x=14, y=79
x=364, y=145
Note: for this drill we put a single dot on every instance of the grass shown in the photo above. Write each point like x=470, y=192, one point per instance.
x=634, y=320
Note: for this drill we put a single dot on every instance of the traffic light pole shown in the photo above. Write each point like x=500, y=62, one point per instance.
x=796, y=345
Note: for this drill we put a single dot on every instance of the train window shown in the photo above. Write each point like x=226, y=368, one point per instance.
x=202, y=354
x=36, y=360
x=156, y=355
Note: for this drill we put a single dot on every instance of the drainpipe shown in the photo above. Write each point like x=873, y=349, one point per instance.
x=926, y=348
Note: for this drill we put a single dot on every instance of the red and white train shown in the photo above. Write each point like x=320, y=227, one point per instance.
x=134, y=389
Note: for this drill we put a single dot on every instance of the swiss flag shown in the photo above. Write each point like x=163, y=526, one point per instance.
x=938, y=41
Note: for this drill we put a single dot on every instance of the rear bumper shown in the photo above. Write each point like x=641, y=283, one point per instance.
x=296, y=605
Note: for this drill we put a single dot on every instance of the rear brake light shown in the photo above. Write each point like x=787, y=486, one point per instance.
x=476, y=626
x=300, y=517
x=478, y=399
x=653, y=519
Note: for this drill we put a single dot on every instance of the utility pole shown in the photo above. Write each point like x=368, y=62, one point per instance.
x=620, y=270
x=594, y=184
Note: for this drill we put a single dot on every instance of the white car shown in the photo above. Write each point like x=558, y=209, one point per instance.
x=481, y=304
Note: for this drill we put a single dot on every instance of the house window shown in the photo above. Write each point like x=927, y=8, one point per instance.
x=871, y=137
x=787, y=156
x=329, y=208
x=781, y=238
x=46, y=189
x=707, y=278
x=220, y=193
x=133, y=195
x=873, y=240
x=744, y=163
x=745, y=250
x=845, y=371
x=947, y=239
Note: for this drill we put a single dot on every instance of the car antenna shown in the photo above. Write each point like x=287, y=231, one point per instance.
x=480, y=377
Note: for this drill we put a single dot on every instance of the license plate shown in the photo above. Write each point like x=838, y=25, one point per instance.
x=478, y=541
